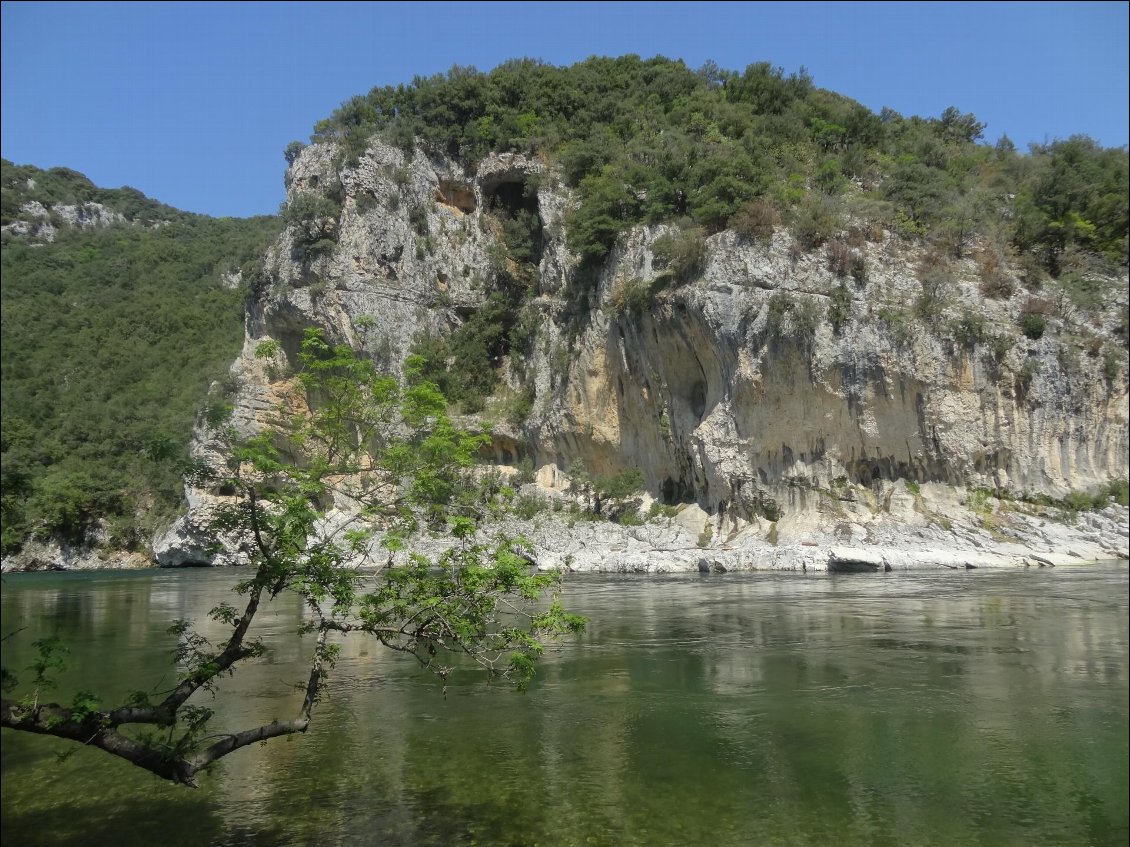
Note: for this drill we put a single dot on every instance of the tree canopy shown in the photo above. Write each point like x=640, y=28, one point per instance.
x=648, y=140
x=390, y=451
x=111, y=340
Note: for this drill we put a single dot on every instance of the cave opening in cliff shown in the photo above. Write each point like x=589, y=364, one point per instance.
x=673, y=492
x=515, y=205
x=456, y=195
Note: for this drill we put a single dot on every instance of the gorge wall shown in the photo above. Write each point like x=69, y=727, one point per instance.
x=752, y=382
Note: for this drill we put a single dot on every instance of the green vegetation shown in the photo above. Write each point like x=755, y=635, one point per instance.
x=794, y=317
x=650, y=140
x=612, y=496
x=24, y=184
x=407, y=467
x=111, y=339
x=1115, y=491
x=681, y=254
x=1033, y=325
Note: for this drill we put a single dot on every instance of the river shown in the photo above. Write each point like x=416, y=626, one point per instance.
x=952, y=708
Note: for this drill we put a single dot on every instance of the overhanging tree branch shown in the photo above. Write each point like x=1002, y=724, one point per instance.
x=392, y=450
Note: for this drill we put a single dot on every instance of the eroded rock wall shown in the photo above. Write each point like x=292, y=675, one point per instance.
x=720, y=387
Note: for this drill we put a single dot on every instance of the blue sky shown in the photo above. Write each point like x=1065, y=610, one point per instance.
x=193, y=103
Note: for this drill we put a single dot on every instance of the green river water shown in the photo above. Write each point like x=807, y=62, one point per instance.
x=943, y=708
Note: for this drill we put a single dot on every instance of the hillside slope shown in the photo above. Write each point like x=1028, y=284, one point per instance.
x=118, y=314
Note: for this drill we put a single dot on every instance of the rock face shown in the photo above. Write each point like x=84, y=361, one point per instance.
x=788, y=403
x=45, y=221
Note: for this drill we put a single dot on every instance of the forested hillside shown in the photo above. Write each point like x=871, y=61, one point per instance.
x=651, y=140
x=112, y=333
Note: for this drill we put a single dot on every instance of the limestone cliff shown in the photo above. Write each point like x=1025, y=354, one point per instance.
x=783, y=394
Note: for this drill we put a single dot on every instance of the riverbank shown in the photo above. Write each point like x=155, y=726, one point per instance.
x=893, y=529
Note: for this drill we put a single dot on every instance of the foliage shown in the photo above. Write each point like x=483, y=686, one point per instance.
x=970, y=329
x=898, y=324
x=632, y=295
x=1032, y=324
x=817, y=220
x=390, y=450
x=650, y=140
x=292, y=151
x=793, y=317
x=681, y=254
x=464, y=363
x=612, y=495
x=111, y=339
x=755, y=220
x=314, y=218
x=839, y=308
x=937, y=284
x=840, y=258
x=21, y=185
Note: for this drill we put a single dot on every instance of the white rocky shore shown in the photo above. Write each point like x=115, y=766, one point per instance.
x=691, y=541
x=888, y=528
x=853, y=530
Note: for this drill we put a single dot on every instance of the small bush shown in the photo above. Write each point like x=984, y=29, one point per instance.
x=898, y=324
x=366, y=202
x=1119, y=491
x=525, y=474
x=705, y=536
x=932, y=302
x=1112, y=366
x=768, y=508
x=1081, y=501
x=1026, y=377
x=859, y=269
x=839, y=257
x=314, y=218
x=526, y=507
x=970, y=329
x=979, y=500
x=839, y=307
x=1000, y=345
x=681, y=254
x=995, y=282
x=1032, y=272
x=797, y=317
x=1085, y=292
x=659, y=510
x=631, y=295
x=816, y=222
x=292, y=151
x=418, y=218
x=1032, y=325
x=756, y=220
x=520, y=408
x=630, y=517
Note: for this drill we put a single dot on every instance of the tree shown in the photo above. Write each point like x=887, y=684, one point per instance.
x=600, y=492
x=389, y=450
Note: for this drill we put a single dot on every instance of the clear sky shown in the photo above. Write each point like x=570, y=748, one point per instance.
x=192, y=103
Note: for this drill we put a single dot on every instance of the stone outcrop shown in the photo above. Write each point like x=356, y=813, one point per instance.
x=41, y=223
x=798, y=438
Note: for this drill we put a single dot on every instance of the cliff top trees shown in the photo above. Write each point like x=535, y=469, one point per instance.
x=650, y=140
x=390, y=451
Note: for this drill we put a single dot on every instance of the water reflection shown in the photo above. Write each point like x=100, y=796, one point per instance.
x=755, y=708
